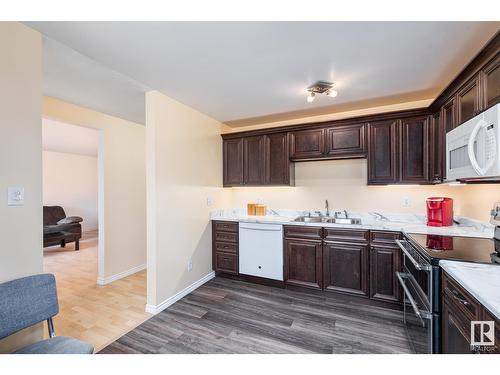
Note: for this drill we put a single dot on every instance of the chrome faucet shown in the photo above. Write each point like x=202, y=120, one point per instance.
x=327, y=207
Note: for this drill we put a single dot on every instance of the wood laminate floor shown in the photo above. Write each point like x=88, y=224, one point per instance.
x=87, y=311
x=229, y=316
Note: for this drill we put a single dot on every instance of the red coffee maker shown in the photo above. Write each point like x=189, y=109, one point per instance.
x=439, y=212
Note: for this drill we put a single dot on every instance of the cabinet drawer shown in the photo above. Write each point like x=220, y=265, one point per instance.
x=226, y=237
x=460, y=298
x=225, y=262
x=226, y=226
x=346, y=235
x=293, y=231
x=226, y=247
x=385, y=237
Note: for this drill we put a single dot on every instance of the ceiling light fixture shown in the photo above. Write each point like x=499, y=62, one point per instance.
x=320, y=87
x=310, y=97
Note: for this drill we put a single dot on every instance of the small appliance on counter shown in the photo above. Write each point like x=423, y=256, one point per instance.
x=495, y=220
x=439, y=212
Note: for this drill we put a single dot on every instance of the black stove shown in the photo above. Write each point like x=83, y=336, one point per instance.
x=466, y=249
x=420, y=279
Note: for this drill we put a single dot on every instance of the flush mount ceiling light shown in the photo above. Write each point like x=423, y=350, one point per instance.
x=320, y=87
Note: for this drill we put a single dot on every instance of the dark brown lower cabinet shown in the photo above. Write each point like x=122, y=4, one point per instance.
x=303, y=264
x=345, y=267
x=460, y=309
x=456, y=339
x=225, y=247
x=385, y=261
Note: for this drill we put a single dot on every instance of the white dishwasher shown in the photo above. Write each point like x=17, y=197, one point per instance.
x=261, y=250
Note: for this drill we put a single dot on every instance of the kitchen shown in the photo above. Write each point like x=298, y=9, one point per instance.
x=438, y=267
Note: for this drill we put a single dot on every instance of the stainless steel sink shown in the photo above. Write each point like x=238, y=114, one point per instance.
x=309, y=219
x=333, y=220
x=329, y=220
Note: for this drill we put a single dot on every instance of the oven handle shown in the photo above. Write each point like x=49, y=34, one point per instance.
x=417, y=265
x=421, y=314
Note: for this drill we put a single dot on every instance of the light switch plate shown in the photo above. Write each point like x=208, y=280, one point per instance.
x=15, y=196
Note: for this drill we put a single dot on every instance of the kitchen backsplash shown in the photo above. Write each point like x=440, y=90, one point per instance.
x=343, y=183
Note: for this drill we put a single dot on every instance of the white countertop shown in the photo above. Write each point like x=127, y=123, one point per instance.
x=409, y=223
x=481, y=280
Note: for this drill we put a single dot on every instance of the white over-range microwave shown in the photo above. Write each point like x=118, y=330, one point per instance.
x=473, y=148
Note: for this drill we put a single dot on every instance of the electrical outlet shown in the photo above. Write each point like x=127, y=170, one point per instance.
x=190, y=265
x=209, y=201
x=406, y=202
x=15, y=196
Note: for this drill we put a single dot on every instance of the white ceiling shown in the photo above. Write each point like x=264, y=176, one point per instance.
x=71, y=139
x=238, y=70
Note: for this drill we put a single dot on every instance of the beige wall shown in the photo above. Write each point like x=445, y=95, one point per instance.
x=20, y=158
x=124, y=181
x=70, y=181
x=343, y=183
x=184, y=158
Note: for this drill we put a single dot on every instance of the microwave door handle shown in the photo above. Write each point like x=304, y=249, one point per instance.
x=470, y=149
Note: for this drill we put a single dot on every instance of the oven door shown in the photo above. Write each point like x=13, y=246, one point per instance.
x=418, y=318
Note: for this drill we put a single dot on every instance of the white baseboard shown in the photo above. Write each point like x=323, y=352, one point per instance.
x=121, y=275
x=155, y=309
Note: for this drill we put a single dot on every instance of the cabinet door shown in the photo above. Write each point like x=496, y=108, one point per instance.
x=448, y=116
x=382, y=151
x=254, y=166
x=384, y=262
x=303, y=263
x=455, y=338
x=345, y=267
x=233, y=162
x=468, y=100
x=307, y=144
x=277, y=160
x=437, y=146
x=489, y=317
x=491, y=83
x=415, y=150
x=346, y=141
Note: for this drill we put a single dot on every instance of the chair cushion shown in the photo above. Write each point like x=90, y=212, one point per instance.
x=57, y=345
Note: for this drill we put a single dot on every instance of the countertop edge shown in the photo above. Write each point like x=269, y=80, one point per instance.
x=450, y=267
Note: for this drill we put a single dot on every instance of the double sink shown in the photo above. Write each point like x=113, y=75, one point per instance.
x=327, y=219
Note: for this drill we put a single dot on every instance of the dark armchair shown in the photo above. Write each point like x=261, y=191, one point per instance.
x=59, y=229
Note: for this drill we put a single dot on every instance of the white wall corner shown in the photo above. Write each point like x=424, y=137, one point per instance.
x=155, y=309
x=121, y=275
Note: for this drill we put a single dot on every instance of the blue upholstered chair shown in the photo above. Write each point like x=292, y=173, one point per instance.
x=31, y=300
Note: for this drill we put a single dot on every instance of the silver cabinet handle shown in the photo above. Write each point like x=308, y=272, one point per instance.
x=417, y=265
x=421, y=314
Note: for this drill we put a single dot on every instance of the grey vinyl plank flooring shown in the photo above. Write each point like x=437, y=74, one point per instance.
x=232, y=316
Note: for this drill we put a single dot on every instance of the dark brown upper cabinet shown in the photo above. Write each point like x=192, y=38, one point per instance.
x=259, y=160
x=448, y=115
x=307, y=144
x=254, y=160
x=438, y=146
x=491, y=83
x=414, y=160
x=346, y=141
x=382, y=152
x=345, y=267
x=278, y=168
x=233, y=162
x=468, y=100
